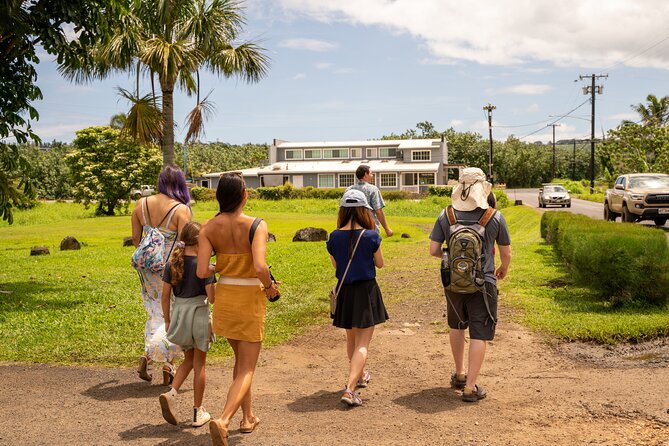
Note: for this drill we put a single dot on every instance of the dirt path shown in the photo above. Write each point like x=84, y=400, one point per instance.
x=539, y=393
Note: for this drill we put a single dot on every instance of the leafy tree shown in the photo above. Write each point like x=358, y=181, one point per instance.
x=635, y=148
x=24, y=25
x=106, y=166
x=220, y=157
x=49, y=170
x=173, y=39
x=118, y=121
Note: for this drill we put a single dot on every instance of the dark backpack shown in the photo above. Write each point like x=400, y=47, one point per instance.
x=463, y=258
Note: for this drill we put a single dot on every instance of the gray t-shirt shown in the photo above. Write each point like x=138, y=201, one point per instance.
x=190, y=285
x=495, y=231
x=374, y=198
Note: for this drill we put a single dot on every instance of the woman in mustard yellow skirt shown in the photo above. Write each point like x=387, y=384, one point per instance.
x=242, y=291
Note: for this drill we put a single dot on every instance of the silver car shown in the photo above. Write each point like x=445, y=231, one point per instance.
x=555, y=195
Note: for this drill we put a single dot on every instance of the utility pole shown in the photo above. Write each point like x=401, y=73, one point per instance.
x=554, y=160
x=592, y=89
x=489, y=108
x=573, y=163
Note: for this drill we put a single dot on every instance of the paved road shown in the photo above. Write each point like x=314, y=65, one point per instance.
x=589, y=208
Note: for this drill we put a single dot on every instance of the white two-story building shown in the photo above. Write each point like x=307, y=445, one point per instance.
x=408, y=164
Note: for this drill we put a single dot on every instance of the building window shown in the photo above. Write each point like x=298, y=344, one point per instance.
x=426, y=178
x=326, y=180
x=335, y=153
x=356, y=153
x=421, y=155
x=346, y=179
x=371, y=153
x=310, y=154
x=293, y=154
x=388, y=179
x=205, y=183
x=387, y=152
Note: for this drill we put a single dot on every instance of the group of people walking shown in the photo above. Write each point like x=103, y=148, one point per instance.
x=177, y=297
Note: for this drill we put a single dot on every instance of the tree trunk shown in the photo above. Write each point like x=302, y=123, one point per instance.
x=167, y=141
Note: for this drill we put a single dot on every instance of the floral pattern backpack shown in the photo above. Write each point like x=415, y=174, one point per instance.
x=150, y=253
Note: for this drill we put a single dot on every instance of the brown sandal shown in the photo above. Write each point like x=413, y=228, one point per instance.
x=249, y=429
x=142, y=370
x=219, y=434
x=168, y=373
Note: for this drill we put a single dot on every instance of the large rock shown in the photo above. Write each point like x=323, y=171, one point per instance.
x=311, y=235
x=70, y=243
x=127, y=241
x=405, y=235
x=271, y=237
x=39, y=251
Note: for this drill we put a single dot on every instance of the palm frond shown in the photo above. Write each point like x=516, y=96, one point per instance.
x=248, y=61
x=187, y=82
x=144, y=121
x=202, y=112
x=169, y=58
x=213, y=23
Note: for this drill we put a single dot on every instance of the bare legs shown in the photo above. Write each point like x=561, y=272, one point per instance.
x=194, y=360
x=357, y=345
x=477, y=350
x=239, y=394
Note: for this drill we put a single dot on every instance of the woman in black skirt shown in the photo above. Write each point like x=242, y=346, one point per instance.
x=359, y=302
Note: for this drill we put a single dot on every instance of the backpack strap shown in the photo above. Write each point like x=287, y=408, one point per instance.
x=144, y=214
x=169, y=216
x=252, y=231
x=487, y=216
x=450, y=214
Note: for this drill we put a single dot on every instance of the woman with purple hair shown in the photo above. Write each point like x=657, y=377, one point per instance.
x=168, y=211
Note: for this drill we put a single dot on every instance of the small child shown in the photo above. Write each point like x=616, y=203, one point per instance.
x=188, y=325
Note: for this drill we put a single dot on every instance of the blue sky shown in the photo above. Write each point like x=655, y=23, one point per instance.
x=361, y=69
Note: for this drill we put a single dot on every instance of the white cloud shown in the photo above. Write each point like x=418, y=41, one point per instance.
x=299, y=77
x=578, y=33
x=308, y=45
x=533, y=108
x=528, y=89
x=456, y=122
x=631, y=116
x=323, y=65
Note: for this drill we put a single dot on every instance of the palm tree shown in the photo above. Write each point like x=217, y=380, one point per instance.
x=173, y=40
x=118, y=121
x=655, y=113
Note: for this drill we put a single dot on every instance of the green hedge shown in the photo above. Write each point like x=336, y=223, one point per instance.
x=440, y=191
x=624, y=262
x=290, y=191
x=198, y=193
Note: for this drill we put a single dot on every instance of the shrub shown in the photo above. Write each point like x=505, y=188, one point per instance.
x=202, y=194
x=623, y=262
x=502, y=199
x=440, y=191
x=390, y=195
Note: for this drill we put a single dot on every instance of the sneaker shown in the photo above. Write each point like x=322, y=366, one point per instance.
x=366, y=378
x=478, y=393
x=457, y=382
x=200, y=416
x=351, y=398
x=167, y=402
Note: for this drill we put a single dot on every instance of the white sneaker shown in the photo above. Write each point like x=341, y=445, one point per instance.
x=200, y=416
x=167, y=401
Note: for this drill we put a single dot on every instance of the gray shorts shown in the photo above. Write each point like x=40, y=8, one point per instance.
x=470, y=311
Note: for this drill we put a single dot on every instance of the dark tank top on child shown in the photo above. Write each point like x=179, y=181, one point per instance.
x=190, y=285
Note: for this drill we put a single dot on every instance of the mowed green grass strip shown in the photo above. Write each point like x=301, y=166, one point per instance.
x=540, y=286
x=85, y=307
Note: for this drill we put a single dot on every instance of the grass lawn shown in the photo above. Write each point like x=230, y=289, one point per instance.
x=85, y=307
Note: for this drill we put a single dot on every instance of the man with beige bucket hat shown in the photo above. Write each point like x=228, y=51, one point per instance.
x=475, y=310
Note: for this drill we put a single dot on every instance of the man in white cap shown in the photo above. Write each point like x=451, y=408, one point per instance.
x=476, y=311
x=364, y=184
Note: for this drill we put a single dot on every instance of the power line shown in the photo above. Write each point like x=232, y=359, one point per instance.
x=557, y=120
x=636, y=54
